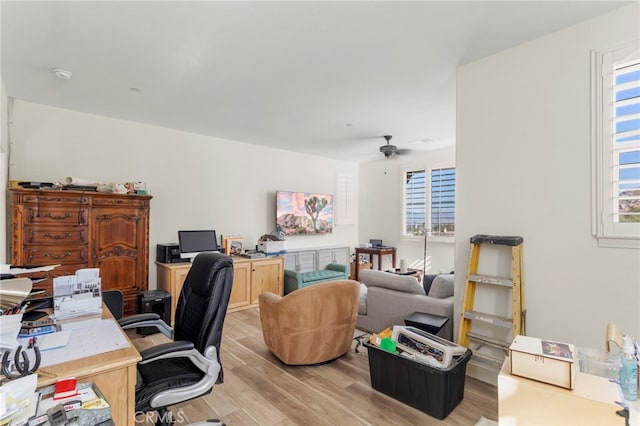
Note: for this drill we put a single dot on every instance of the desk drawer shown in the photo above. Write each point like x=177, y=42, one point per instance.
x=57, y=235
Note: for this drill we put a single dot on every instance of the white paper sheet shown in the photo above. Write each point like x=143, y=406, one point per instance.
x=99, y=337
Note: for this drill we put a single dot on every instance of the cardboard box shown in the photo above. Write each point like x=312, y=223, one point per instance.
x=361, y=266
x=272, y=248
x=543, y=360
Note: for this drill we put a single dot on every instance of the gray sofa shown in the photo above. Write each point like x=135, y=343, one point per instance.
x=386, y=299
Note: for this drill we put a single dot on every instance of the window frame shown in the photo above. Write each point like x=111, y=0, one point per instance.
x=605, y=229
x=428, y=188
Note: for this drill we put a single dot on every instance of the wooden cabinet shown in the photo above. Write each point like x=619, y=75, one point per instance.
x=78, y=229
x=339, y=255
x=266, y=275
x=306, y=260
x=250, y=278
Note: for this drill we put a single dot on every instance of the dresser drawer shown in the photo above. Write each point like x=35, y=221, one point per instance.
x=44, y=255
x=57, y=235
x=43, y=215
x=120, y=202
x=54, y=198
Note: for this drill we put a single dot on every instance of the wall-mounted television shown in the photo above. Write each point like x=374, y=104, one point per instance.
x=192, y=243
x=304, y=213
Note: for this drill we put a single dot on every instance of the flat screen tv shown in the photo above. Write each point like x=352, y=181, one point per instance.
x=304, y=212
x=193, y=242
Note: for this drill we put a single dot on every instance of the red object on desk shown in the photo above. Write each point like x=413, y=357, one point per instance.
x=65, y=388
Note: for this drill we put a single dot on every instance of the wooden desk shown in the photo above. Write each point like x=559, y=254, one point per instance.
x=250, y=278
x=523, y=401
x=113, y=372
x=376, y=251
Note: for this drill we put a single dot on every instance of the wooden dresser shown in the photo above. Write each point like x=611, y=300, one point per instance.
x=79, y=229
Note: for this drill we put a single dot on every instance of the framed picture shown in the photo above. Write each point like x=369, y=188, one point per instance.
x=234, y=246
x=304, y=212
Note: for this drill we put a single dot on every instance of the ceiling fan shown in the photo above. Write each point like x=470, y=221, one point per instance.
x=391, y=150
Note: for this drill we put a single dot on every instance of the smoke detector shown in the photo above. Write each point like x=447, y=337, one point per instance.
x=62, y=73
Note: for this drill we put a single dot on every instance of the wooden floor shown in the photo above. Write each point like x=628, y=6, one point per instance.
x=259, y=390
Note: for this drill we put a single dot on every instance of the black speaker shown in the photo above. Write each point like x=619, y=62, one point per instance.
x=157, y=302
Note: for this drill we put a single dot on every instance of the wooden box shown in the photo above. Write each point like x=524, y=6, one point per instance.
x=361, y=266
x=543, y=360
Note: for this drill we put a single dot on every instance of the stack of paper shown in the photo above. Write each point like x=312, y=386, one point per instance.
x=76, y=295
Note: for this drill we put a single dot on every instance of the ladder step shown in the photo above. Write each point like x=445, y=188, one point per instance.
x=497, y=239
x=489, y=319
x=488, y=359
x=489, y=341
x=488, y=279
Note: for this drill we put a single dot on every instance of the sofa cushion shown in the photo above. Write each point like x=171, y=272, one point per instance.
x=442, y=286
x=321, y=275
x=362, y=303
x=404, y=283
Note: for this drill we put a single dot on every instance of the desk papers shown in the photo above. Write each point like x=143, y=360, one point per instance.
x=89, y=337
x=76, y=295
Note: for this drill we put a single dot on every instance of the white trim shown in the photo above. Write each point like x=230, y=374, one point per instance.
x=604, y=226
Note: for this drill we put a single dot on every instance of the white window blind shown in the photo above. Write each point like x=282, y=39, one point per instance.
x=415, y=202
x=345, y=201
x=617, y=109
x=429, y=202
x=443, y=198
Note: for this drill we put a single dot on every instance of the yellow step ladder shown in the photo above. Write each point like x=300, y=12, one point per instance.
x=474, y=281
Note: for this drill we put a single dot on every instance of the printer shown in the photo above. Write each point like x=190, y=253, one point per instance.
x=169, y=253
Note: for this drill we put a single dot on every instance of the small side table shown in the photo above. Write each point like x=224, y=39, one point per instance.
x=426, y=322
x=376, y=251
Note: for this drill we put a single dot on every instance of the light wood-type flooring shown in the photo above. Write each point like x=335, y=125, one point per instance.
x=259, y=390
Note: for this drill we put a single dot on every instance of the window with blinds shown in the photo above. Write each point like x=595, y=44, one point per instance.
x=617, y=147
x=443, y=198
x=626, y=143
x=429, y=202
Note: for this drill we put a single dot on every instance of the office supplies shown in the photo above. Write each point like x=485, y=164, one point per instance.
x=426, y=347
x=65, y=388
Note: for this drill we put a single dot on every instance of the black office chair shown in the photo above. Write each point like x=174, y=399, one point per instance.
x=114, y=299
x=189, y=366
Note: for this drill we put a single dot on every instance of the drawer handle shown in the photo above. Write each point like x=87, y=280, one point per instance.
x=67, y=254
x=49, y=215
x=57, y=237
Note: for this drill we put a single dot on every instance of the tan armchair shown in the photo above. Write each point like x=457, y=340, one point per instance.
x=311, y=325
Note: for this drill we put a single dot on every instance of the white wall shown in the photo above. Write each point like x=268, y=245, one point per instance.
x=381, y=207
x=197, y=182
x=4, y=154
x=523, y=161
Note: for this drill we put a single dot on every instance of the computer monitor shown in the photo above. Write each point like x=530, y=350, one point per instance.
x=193, y=242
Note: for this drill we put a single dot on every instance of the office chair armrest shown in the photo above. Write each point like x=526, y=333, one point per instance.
x=146, y=320
x=208, y=362
x=165, y=348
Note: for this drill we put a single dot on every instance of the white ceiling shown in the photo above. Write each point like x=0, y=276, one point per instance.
x=324, y=78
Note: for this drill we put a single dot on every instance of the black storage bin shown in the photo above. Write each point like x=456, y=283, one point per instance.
x=435, y=391
x=154, y=301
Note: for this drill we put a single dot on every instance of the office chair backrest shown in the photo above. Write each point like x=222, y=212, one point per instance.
x=203, y=301
x=114, y=299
